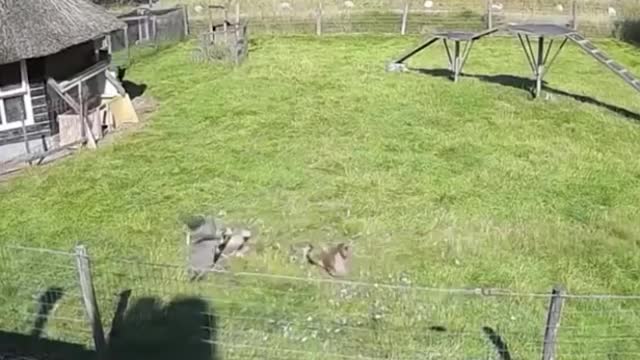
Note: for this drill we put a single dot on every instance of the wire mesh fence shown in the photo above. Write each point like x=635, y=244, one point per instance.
x=592, y=17
x=48, y=304
x=147, y=31
x=150, y=309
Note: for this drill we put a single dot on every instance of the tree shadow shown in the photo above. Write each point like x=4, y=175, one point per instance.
x=498, y=342
x=523, y=83
x=184, y=328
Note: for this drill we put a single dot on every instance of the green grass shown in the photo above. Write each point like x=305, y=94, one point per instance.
x=446, y=185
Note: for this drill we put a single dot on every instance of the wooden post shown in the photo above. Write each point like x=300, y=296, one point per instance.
x=574, y=14
x=489, y=14
x=405, y=17
x=319, y=19
x=185, y=19
x=126, y=42
x=237, y=22
x=553, y=323
x=154, y=28
x=76, y=107
x=89, y=298
x=210, y=30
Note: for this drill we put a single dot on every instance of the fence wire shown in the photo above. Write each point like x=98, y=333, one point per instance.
x=40, y=296
x=149, y=308
x=592, y=17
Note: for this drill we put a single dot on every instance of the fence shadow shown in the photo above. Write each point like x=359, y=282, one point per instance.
x=33, y=346
x=185, y=328
x=498, y=342
x=523, y=83
x=46, y=302
x=20, y=346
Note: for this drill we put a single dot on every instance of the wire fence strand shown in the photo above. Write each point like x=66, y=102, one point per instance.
x=154, y=307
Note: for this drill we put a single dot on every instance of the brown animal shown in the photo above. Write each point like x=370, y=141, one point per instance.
x=336, y=260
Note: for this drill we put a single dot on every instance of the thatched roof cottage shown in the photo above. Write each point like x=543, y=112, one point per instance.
x=41, y=39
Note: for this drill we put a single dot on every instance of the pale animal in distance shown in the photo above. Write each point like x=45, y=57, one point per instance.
x=234, y=242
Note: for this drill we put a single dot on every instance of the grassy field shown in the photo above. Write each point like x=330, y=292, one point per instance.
x=437, y=184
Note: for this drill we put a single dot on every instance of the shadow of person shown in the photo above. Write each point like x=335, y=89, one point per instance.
x=185, y=328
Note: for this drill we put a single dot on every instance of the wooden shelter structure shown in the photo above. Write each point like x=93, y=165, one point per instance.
x=224, y=40
x=54, y=61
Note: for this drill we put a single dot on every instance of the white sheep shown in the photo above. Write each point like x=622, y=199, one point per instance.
x=428, y=4
x=611, y=11
x=285, y=6
x=348, y=4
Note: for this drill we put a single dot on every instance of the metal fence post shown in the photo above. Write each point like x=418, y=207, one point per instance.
x=405, y=17
x=553, y=323
x=89, y=298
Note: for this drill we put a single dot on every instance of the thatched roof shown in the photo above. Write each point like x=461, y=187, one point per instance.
x=35, y=28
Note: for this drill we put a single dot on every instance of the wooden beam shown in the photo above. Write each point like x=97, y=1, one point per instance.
x=41, y=155
x=116, y=84
x=77, y=108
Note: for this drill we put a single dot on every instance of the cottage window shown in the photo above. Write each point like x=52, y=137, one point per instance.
x=14, y=95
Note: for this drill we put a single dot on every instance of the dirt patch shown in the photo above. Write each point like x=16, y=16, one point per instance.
x=145, y=106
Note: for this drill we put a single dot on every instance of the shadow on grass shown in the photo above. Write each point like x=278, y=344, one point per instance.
x=20, y=346
x=33, y=346
x=133, y=89
x=46, y=302
x=498, y=342
x=149, y=329
x=184, y=328
x=523, y=83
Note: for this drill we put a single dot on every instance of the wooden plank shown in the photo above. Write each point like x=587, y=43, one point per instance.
x=44, y=154
x=553, y=323
x=115, y=83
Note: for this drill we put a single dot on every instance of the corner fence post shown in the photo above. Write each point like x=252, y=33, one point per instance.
x=89, y=299
x=553, y=323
